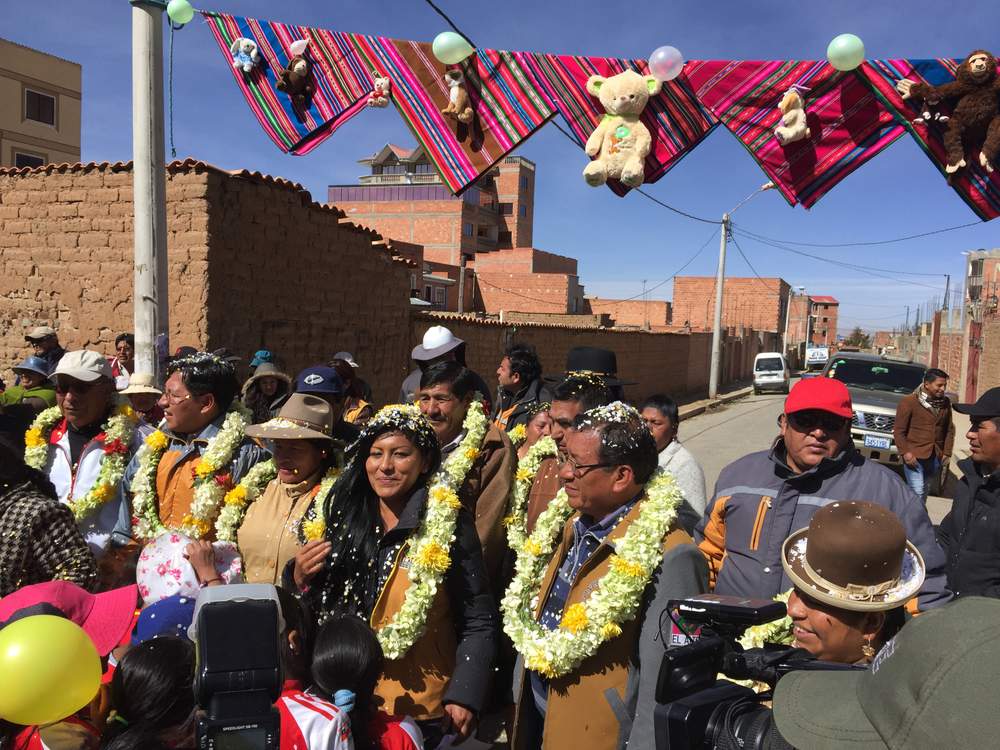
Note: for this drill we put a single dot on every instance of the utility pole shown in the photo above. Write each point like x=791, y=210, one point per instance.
x=788, y=314
x=720, y=276
x=645, y=307
x=907, y=328
x=461, y=284
x=149, y=184
x=947, y=290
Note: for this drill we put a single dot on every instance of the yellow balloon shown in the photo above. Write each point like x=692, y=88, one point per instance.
x=49, y=669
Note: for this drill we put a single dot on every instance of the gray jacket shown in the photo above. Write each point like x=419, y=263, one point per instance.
x=684, y=468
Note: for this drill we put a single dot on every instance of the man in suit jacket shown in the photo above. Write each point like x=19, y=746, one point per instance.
x=924, y=431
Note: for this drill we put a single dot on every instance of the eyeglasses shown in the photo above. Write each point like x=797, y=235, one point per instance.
x=807, y=421
x=76, y=387
x=173, y=398
x=581, y=470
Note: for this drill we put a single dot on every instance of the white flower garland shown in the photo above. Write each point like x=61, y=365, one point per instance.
x=517, y=434
x=586, y=625
x=517, y=508
x=312, y=526
x=430, y=547
x=211, y=479
x=239, y=498
x=118, y=433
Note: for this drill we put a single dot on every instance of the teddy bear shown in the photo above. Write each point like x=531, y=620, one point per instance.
x=379, y=97
x=296, y=79
x=620, y=143
x=458, y=98
x=975, y=118
x=793, y=118
x=244, y=53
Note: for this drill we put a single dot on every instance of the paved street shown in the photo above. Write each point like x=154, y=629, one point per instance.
x=723, y=434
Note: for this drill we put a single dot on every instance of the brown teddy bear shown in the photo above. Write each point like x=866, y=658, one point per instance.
x=621, y=142
x=976, y=116
x=458, y=98
x=296, y=79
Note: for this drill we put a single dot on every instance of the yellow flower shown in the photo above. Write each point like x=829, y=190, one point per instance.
x=236, y=496
x=313, y=530
x=532, y=548
x=523, y=475
x=103, y=492
x=157, y=441
x=508, y=521
x=203, y=468
x=539, y=663
x=33, y=438
x=125, y=410
x=630, y=569
x=518, y=433
x=202, y=527
x=446, y=496
x=432, y=555
x=575, y=618
x=472, y=453
x=610, y=630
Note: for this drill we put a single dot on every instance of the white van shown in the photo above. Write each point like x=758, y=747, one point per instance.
x=770, y=372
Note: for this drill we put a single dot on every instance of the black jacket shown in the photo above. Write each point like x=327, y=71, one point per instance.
x=534, y=392
x=970, y=534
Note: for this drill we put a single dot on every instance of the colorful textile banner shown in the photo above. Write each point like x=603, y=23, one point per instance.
x=342, y=84
x=507, y=105
x=676, y=120
x=977, y=187
x=848, y=124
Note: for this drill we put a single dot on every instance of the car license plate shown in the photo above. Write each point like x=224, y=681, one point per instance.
x=873, y=441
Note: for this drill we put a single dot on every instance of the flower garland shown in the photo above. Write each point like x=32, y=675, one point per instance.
x=116, y=436
x=757, y=636
x=312, y=526
x=211, y=480
x=239, y=498
x=527, y=468
x=586, y=625
x=429, y=549
x=517, y=434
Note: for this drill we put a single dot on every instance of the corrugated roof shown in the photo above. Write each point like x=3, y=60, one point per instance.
x=824, y=300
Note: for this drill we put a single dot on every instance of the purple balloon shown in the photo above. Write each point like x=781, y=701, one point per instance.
x=666, y=63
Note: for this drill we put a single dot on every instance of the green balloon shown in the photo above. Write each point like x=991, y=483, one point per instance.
x=180, y=11
x=846, y=52
x=448, y=47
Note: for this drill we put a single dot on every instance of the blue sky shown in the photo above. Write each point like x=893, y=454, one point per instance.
x=619, y=242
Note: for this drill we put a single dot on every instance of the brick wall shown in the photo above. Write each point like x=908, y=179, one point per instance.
x=632, y=312
x=746, y=302
x=559, y=319
x=527, y=292
x=525, y=260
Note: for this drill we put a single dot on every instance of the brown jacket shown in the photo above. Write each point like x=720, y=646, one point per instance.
x=920, y=432
x=594, y=706
x=543, y=489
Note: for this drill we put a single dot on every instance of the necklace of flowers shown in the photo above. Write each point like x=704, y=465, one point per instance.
x=430, y=546
x=116, y=437
x=517, y=507
x=517, y=434
x=211, y=479
x=587, y=624
x=312, y=526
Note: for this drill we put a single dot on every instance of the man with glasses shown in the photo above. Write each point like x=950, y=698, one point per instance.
x=970, y=533
x=762, y=498
x=76, y=444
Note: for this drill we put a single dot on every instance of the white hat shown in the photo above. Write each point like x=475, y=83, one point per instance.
x=39, y=332
x=437, y=341
x=141, y=382
x=347, y=357
x=83, y=365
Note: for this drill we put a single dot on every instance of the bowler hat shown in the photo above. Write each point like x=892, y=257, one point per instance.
x=591, y=360
x=855, y=556
x=302, y=417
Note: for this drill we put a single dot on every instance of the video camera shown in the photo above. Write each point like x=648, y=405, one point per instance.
x=697, y=709
x=236, y=631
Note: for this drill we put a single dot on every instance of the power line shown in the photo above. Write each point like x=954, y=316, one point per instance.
x=873, y=242
x=747, y=261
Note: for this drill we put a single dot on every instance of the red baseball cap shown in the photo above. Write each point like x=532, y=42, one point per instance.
x=105, y=617
x=823, y=394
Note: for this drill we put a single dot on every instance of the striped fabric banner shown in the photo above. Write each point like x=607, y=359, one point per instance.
x=508, y=107
x=977, y=187
x=676, y=120
x=342, y=84
x=848, y=124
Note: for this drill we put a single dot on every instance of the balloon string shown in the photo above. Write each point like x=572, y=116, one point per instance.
x=450, y=22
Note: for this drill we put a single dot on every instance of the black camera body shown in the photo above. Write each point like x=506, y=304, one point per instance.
x=238, y=674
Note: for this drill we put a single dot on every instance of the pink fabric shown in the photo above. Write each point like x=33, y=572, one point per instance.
x=164, y=571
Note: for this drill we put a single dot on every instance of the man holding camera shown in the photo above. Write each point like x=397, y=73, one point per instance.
x=589, y=660
x=762, y=498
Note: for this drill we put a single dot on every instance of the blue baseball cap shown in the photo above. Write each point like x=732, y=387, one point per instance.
x=319, y=379
x=170, y=616
x=260, y=357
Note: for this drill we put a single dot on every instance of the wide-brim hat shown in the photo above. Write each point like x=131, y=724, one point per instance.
x=267, y=370
x=591, y=360
x=34, y=365
x=302, y=417
x=437, y=342
x=854, y=556
x=141, y=382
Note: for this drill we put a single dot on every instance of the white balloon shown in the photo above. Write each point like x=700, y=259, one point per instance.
x=666, y=63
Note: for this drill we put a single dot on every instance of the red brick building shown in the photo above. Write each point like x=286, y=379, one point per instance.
x=653, y=314
x=824, y=320
x=748, y=302
x=528, y=280
x=402, y=197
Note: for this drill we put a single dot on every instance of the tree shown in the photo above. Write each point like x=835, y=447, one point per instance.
x=858, y=338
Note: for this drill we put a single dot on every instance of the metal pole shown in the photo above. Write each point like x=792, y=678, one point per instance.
x=720, y=277
x=947, y=290
x=788, y=314
x=461, y=285
x=907, y=319
x=645, y=311
x=149, y=184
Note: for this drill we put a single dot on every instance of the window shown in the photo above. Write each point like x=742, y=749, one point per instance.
x=524, y=183
x=523, y=210
x=427, y=293
x=27, y=160
x=506, y=209
x=468, y=230
x=439, y=295
x=483, y=231
x=503, y=238
x=39, y=107
x=423, y=168
x=825, y=320
x=413, y=284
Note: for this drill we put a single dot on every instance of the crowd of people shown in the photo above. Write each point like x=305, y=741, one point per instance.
x=469, y=562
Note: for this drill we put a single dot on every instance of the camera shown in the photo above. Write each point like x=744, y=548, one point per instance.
x=697, y=709
x=236, y=631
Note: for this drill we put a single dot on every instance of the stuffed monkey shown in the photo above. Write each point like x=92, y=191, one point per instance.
x=458, y=98
x=296, y=79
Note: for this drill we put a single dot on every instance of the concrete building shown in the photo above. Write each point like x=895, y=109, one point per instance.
x=40, y=96
x=824, y=323
x=981, y=345
x=403, y=197
x=528, y=280
x=749, y=302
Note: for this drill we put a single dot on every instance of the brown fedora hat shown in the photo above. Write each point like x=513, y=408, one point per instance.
x=854, y=555
x=303, y=417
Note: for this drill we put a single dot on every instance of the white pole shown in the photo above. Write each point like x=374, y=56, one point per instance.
x=720, y=277
x=149, y=184
x=788, y=314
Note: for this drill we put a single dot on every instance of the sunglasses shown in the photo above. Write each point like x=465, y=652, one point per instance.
x=809, y=421
x=77, y=387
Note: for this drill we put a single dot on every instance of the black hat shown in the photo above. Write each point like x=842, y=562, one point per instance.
x=987, y=406
x=589, y=360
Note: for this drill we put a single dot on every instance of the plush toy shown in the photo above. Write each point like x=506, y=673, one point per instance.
x=244, y=53
x=379, y=97
x=296, y=79
x=929, y=113
x=458, y=98
x=793, y=118
x=620, y=144
x=975, y=119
